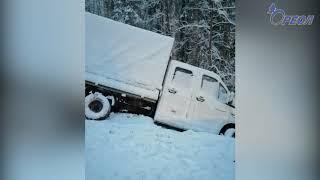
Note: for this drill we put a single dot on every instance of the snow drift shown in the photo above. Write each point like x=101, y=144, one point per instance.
x=131, y=147
x=118, y=54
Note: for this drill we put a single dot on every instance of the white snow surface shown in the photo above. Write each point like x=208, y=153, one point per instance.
x=122, y=53
x=131, y=147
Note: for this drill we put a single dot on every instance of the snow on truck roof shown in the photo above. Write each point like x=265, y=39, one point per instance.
x=125, y=53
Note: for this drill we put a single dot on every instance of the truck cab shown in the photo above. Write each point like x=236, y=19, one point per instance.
x=195, y=98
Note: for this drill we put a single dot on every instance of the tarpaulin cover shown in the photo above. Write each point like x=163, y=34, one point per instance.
x=118, y=54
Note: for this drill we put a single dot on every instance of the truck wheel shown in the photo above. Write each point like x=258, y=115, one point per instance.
x=97, y=106
x=230, y=132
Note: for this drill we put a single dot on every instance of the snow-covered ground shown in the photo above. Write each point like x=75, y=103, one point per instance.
x=131, y=147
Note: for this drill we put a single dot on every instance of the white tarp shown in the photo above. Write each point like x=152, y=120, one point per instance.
x=125, y=54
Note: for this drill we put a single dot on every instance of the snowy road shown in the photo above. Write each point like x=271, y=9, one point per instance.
x=131, y=147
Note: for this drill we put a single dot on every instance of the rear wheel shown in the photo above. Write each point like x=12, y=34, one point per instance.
x=97, y=106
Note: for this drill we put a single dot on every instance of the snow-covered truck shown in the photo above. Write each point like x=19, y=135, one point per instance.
x=129, y=69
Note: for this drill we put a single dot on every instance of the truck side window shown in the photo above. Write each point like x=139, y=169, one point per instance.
x=223, y=95
x=182, y=77
x=209, y=85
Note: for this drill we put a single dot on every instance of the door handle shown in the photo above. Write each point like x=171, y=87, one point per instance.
x=172, y=90
x=200, y=98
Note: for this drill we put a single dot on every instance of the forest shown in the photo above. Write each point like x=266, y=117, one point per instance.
x=204, y=30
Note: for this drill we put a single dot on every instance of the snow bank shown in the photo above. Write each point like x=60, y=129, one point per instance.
x=124, y=53
x=131, y=147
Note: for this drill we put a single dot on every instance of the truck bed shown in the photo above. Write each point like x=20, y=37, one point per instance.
x=124, y=57
x=125, y=87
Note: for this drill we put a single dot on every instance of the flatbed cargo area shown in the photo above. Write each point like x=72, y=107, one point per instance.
x=129, y=58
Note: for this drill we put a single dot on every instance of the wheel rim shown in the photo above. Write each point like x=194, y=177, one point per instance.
x=96, y=106
x=230, y=133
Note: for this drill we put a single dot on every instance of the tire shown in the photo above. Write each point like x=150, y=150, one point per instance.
x=97, y=106
x=230, y=132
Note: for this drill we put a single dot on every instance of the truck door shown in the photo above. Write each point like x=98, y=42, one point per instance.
x=176, y=96
x=208, y=105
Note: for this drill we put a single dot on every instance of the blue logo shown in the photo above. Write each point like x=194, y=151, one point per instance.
x=279, y=17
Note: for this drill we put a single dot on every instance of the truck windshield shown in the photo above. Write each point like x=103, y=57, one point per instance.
x=182, y=77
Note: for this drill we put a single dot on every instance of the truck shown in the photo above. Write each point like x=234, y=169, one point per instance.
x=129, y=69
